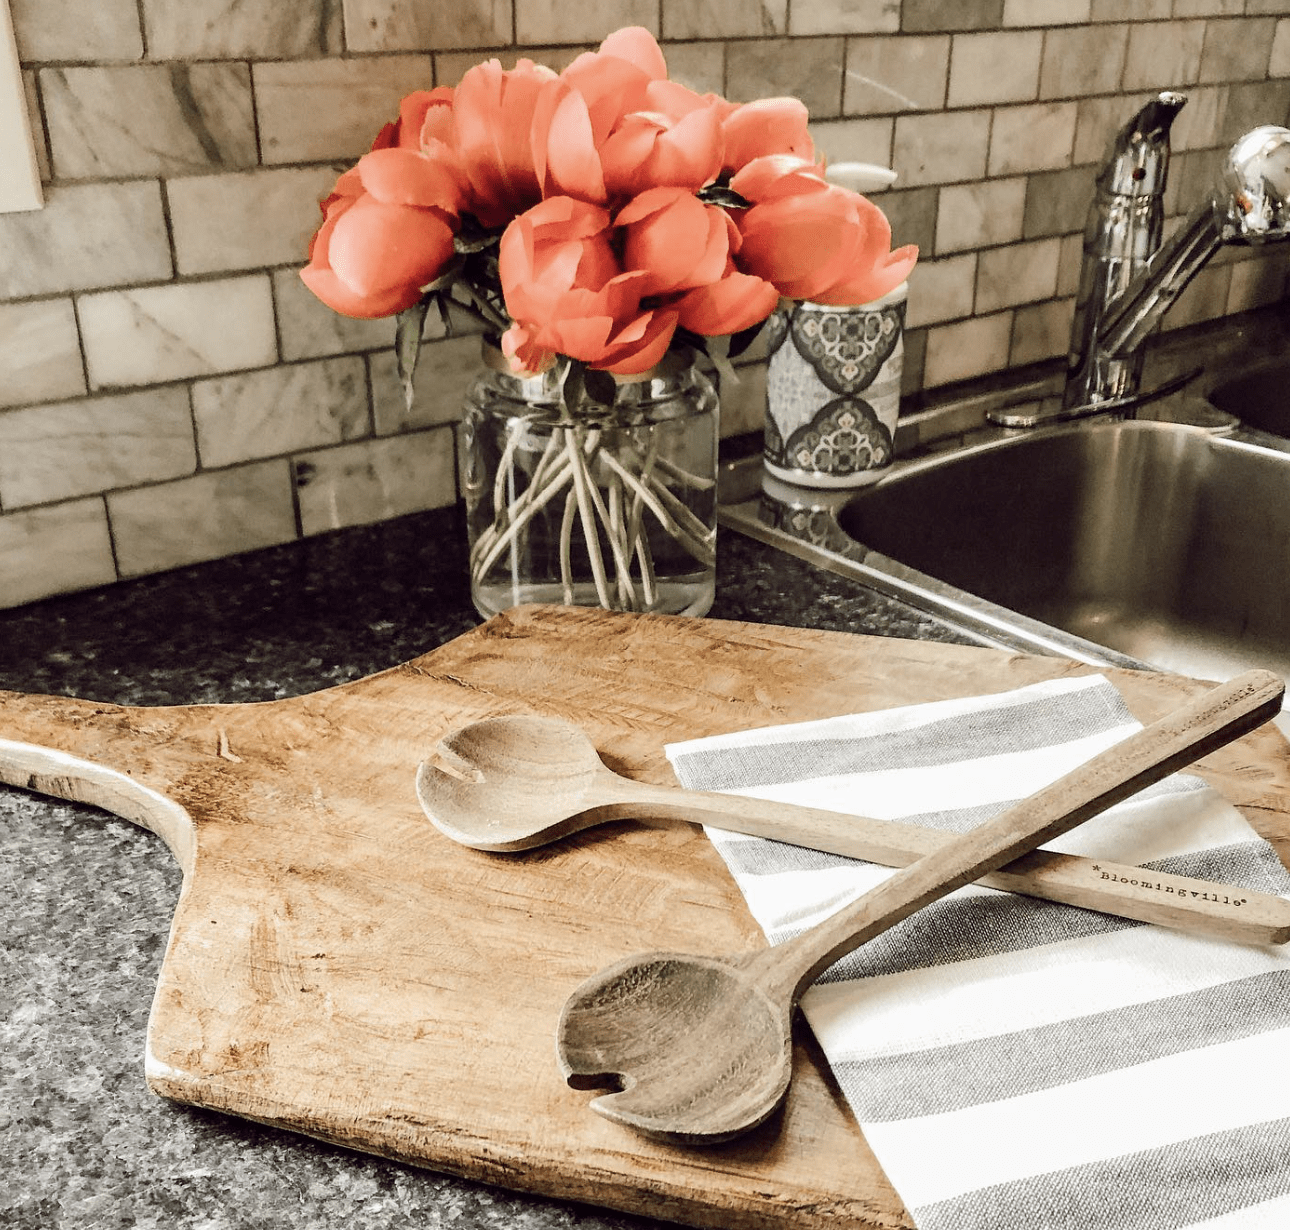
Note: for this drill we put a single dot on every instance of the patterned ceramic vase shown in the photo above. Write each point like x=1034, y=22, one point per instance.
x=833, y=391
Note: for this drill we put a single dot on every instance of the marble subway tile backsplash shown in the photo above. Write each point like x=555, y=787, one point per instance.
x=159, y=333
x=57, y=549
x=170, y=391
x=373, y=480
x=242, y=29
x=86, y=236
x=40, y=357
x=806, y=68
x=245, y=219
x=896, y=74
x=73, y=30
x=280, y=410
x=411, y=25
x=94, y=444
x=148, y=119
x=558, y=21
x=310, y=111
x=205, y=516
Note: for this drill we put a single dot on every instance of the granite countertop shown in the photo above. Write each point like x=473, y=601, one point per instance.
x=86, y=899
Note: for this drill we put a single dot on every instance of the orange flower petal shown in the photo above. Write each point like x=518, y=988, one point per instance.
x=610, y=86
x=572, y=165
x=376, y=248
x=689, y=154
x=651, y=201
x=650, y=335
x=492, y=113
x=348, y=188
x=552, y=248
x=565, y=217
x=525, y=353
x=337, y=296
x=674, y=100
x=582, y=337
x=866, y=285
x=406, y=177
x=412, y=114
x=627, y=151
x=767, y=126
x=802, y=244
x=332, y=209
x=637, y=46
x=436, y=127
x=678, y=244
x=776, y=175
x=737, y=302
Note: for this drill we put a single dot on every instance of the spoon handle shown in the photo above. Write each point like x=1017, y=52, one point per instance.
x=1188, y=733
x=1163, y=899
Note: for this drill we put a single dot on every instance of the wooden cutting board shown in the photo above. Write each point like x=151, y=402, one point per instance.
x=336, y=967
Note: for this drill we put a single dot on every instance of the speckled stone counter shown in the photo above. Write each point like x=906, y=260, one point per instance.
x=86, y=899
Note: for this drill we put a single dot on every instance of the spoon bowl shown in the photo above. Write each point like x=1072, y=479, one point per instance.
x=510, y=783
x=623, y=1029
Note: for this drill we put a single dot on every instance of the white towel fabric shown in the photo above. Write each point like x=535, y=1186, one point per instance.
x=1017, y=1064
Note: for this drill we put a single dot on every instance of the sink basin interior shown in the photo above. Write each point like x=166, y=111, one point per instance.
x=1259, y=399
x=1163, y=542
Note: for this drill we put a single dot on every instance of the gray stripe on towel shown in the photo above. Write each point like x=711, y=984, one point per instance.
x=1168, y=1188
x=965, y=928
x=893, y=1087
x=1042, y=722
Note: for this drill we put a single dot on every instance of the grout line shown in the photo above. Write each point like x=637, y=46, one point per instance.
x=111, y=533
x=170, y=229
x=143, y=31
x=80, y=344
x=255, y=112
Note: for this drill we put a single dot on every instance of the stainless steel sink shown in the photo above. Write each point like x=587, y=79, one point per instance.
x=1123, y=543
x=1166, y=543
x=1259, y=398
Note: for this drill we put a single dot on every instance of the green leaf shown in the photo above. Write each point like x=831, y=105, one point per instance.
x=727, y=198
x=600, y=388
x=444, y=302
x=718, y=349
x=470, y=244
x=447, y=276
x=572, y=385
x=471, y=237
x=407, y=344
x=739, y=342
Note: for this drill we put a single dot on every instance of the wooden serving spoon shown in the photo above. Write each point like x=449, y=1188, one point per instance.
x=516, y=782
x=699, y=1048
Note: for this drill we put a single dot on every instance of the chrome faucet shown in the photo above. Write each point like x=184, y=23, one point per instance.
x=1124, y=229
x=1129, y=279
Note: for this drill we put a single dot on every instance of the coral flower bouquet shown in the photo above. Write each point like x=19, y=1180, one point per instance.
x=604, y=224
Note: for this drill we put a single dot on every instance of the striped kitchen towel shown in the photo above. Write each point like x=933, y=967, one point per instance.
x=1017, y=1064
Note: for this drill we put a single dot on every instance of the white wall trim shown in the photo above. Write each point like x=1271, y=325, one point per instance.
x=19, y=174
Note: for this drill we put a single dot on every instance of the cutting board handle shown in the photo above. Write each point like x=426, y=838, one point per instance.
x=64, y=776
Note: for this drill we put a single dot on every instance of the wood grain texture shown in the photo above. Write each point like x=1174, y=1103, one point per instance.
x=338, y=967
x=520, y=781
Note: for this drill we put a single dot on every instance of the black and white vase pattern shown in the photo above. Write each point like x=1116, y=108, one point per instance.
x=833, y=391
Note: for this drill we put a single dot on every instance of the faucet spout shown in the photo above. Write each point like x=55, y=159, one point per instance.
x=1124, y=228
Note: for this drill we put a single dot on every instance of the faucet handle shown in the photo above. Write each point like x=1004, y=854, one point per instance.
x=1257, y=178
x=1138, y=159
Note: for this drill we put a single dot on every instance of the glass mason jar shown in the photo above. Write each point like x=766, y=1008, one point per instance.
x=616, y=508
